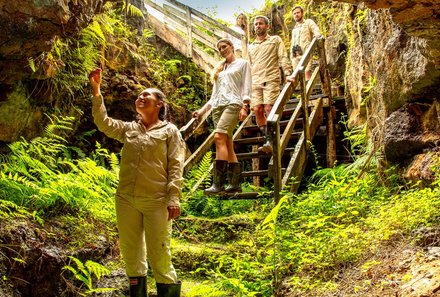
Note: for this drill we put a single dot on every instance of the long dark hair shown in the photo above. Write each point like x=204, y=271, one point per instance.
x=160, y=96
x=245, y=25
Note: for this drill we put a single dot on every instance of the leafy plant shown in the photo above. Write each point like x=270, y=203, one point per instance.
x=85, y=273
x=40, y=175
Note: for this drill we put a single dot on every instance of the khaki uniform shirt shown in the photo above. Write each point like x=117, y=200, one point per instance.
x=266, y=58
x=302, y=34
x=152, y=161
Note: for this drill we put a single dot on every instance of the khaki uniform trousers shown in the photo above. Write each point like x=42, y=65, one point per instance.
x=145, y=231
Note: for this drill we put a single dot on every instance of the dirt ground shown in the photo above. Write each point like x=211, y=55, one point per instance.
x=401, y=267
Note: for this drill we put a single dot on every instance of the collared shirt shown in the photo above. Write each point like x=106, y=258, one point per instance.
x=266, y=57
x=233, y=85
x=152, y=160
x=302, y=34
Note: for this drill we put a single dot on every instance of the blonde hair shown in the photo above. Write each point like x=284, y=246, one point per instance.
x=219, y=67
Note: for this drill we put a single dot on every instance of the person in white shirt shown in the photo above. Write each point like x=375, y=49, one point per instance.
x=230, y=103
x=241, y=27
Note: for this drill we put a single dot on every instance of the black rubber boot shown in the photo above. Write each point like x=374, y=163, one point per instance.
x=138, y=286
x=267, y=146
x=234, y=178
x=219, y=178
x=168, y=290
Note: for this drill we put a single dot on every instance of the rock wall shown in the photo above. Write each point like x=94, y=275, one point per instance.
x=392, y=64
x=29, y=27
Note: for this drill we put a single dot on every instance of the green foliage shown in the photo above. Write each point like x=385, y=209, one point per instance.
x=368, y=90
x=200, y=174
x=41, y=176
x=131, y=9
x=85, y=274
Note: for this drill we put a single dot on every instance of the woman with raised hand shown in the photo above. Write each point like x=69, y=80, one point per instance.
x=230, y=103
x=149, y=189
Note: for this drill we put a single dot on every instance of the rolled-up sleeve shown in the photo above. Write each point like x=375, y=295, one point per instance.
x=284, y=60
x=176, y=159
x=109, y=126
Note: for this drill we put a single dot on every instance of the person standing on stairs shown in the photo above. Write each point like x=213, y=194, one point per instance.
x=230, y=103
x=266, y=54
x=302, y=35
x=241, y=27
x=149, y=189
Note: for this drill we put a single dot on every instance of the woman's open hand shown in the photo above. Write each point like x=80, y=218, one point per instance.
x=95, y=77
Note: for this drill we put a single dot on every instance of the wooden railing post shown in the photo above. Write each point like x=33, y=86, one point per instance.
x=189, y=31
x=305, y=106
x=326, y=84
x=273, y=132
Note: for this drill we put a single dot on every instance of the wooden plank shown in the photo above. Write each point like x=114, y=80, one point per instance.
x=323, y=72
x=316, y=118
x=247, y=121
x=242, y=196
x=193, y=125
x=189, y=31
x=206, y=18
x=312, y=82
x=205, y=39
x=199, y=153
x=298, y=161
x=289, y=128
x=274, y=133
x=256, y=180
x=331, y=137
x=200, y=57
x=305, y=108
x=287, y=134
x=218, y=34
x=197, y=34
x=281, y=101
x=170, y=36
x=294, y=169
x=156, y=6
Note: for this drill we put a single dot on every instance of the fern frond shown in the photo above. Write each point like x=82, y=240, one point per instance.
x=93, y=33
x=132, y=10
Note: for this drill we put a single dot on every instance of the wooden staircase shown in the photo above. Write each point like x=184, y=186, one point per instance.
x=292, y=124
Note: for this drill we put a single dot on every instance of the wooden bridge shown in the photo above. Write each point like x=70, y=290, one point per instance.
x=295, y=116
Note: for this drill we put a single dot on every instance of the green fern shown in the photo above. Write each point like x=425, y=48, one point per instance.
x=132, y=10
x=32, y=64
x=201, y=172
x=85, y=273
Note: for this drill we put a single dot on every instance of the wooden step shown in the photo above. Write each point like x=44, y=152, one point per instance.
x=250, y=140
x=264, y=172
x=252, y=128
x=261, y=139
x=252, y=155
x=256, y=155
x=242, y=196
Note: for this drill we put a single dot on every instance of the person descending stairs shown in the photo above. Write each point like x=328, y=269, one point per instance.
x=229, y=100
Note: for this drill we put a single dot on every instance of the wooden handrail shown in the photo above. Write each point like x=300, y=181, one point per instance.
x=206, y=18
x=194, y=124
x=192, y=33
x=273, y=125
